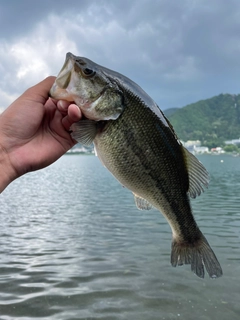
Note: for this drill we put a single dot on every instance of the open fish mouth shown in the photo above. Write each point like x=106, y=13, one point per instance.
x=69, y=67
x=63, y=79
x=79, y=81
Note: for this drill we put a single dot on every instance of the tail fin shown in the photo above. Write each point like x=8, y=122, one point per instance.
x=198, y=255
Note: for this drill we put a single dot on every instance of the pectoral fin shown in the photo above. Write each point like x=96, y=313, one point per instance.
x=198, y=175
x=141, y=203
x=84, y=131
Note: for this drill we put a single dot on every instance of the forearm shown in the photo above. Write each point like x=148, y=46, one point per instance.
x=7, y=172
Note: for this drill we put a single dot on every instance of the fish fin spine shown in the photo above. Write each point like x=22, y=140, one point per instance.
x=198, y=255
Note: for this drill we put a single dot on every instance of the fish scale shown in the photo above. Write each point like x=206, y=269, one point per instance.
x=138, y=145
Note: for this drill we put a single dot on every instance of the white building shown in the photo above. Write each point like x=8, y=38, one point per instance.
x=233, y=141
x=192, y=143
x=200, y=150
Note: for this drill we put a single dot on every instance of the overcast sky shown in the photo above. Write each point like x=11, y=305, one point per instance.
x=179, y=52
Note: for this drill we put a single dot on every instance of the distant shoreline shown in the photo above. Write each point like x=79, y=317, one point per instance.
x=197, y=154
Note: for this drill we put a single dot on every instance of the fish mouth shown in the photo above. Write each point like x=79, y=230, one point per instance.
x=63, y=87
x=72, y=64
x=58, y=90
x=72, y=84
x=64, y=75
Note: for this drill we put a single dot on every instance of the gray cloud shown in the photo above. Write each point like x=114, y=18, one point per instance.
x=19, y=17
x=179, y=51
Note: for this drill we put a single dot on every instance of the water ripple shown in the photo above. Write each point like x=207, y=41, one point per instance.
x=73, y=246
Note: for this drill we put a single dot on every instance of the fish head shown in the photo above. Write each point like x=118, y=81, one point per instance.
x=84, y=83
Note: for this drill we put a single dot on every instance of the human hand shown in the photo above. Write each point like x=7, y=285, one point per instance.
x=34, y=132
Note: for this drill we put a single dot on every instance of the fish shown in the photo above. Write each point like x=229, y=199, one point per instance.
x=136, y=142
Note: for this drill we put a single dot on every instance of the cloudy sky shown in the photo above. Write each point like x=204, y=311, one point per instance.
x=178, y=51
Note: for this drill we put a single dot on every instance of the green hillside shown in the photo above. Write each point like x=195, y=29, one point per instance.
x=211, y=121
x=170, y=111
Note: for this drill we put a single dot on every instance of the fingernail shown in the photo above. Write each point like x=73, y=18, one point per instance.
x=63, y=104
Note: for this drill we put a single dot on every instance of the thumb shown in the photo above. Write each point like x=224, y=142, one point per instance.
x=39, y=92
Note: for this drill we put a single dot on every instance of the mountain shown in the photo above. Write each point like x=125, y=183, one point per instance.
x=211, y=121
x=170, y=111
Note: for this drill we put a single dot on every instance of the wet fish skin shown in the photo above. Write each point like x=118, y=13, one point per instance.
x=139, y=147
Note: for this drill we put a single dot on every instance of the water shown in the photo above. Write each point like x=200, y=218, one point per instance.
x=73, y=246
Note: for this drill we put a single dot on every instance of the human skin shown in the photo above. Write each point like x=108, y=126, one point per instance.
x=34, y=132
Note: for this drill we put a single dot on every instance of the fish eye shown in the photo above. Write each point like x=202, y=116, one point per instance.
x=88, y=72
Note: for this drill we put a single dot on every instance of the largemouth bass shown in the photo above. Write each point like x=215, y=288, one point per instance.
x=138, y=145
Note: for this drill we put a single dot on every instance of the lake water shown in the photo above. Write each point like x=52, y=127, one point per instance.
x=74, y=246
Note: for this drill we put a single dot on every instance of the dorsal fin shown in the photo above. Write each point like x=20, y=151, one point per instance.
x=198, y=175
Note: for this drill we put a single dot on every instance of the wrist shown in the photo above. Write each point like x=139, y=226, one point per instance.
x=7, y=172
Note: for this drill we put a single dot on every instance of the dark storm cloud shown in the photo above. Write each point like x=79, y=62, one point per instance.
x=19, y=17
x=179, y=51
